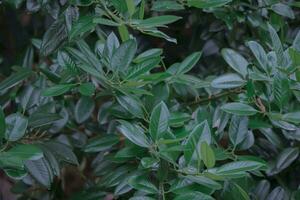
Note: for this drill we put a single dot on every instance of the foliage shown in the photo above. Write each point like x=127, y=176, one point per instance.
x=100, y=96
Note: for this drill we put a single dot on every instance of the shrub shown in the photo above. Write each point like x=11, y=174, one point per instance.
x=107, y=102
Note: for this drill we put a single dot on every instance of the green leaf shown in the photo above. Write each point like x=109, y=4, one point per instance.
x=41, y=119
x=81, y=26
x=103, y=21
x=189, y=63
x=143, y=67
x=228, y=81
x=141, y=183
x=130, y=6
x=149, y=54
x=202, y=180
x=293, y=117
x=54, y=37
x=207, y=3
x=132, y=105
x=198, y=135
x=134, y=133
x=83, y=109
x=123, y=56
x=259, y=54
x=16, y=125
x=87, y=89
x=283, y=10
x=2, y=124
x=238, y=129
x=281, y=89
x=166, y=5
x=207, y=155
x=57, y=90
x=159, y=121
x=239, y=109
x=277, y=46
x=16, y=156
x=158, y=21
x=236, y=61
x=195, y=195
x=40, y=170
x=239, y=166
x=14, y=79
x=286, y=157
x=101, y=143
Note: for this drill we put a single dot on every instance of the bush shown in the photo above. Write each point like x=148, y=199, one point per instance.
x=142, y=100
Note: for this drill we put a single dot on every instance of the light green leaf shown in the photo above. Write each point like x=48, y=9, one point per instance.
x=207, y=155
x=198, y=135
x=87, y=89
x=16, y=156
x=239, y=109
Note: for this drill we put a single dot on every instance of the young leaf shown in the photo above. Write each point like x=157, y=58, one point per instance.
x=199, y=134
x=87, y=89
x=239, y=109
x=236, y=61
x=134, y=133
x=159, y=121
x=207, y=155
